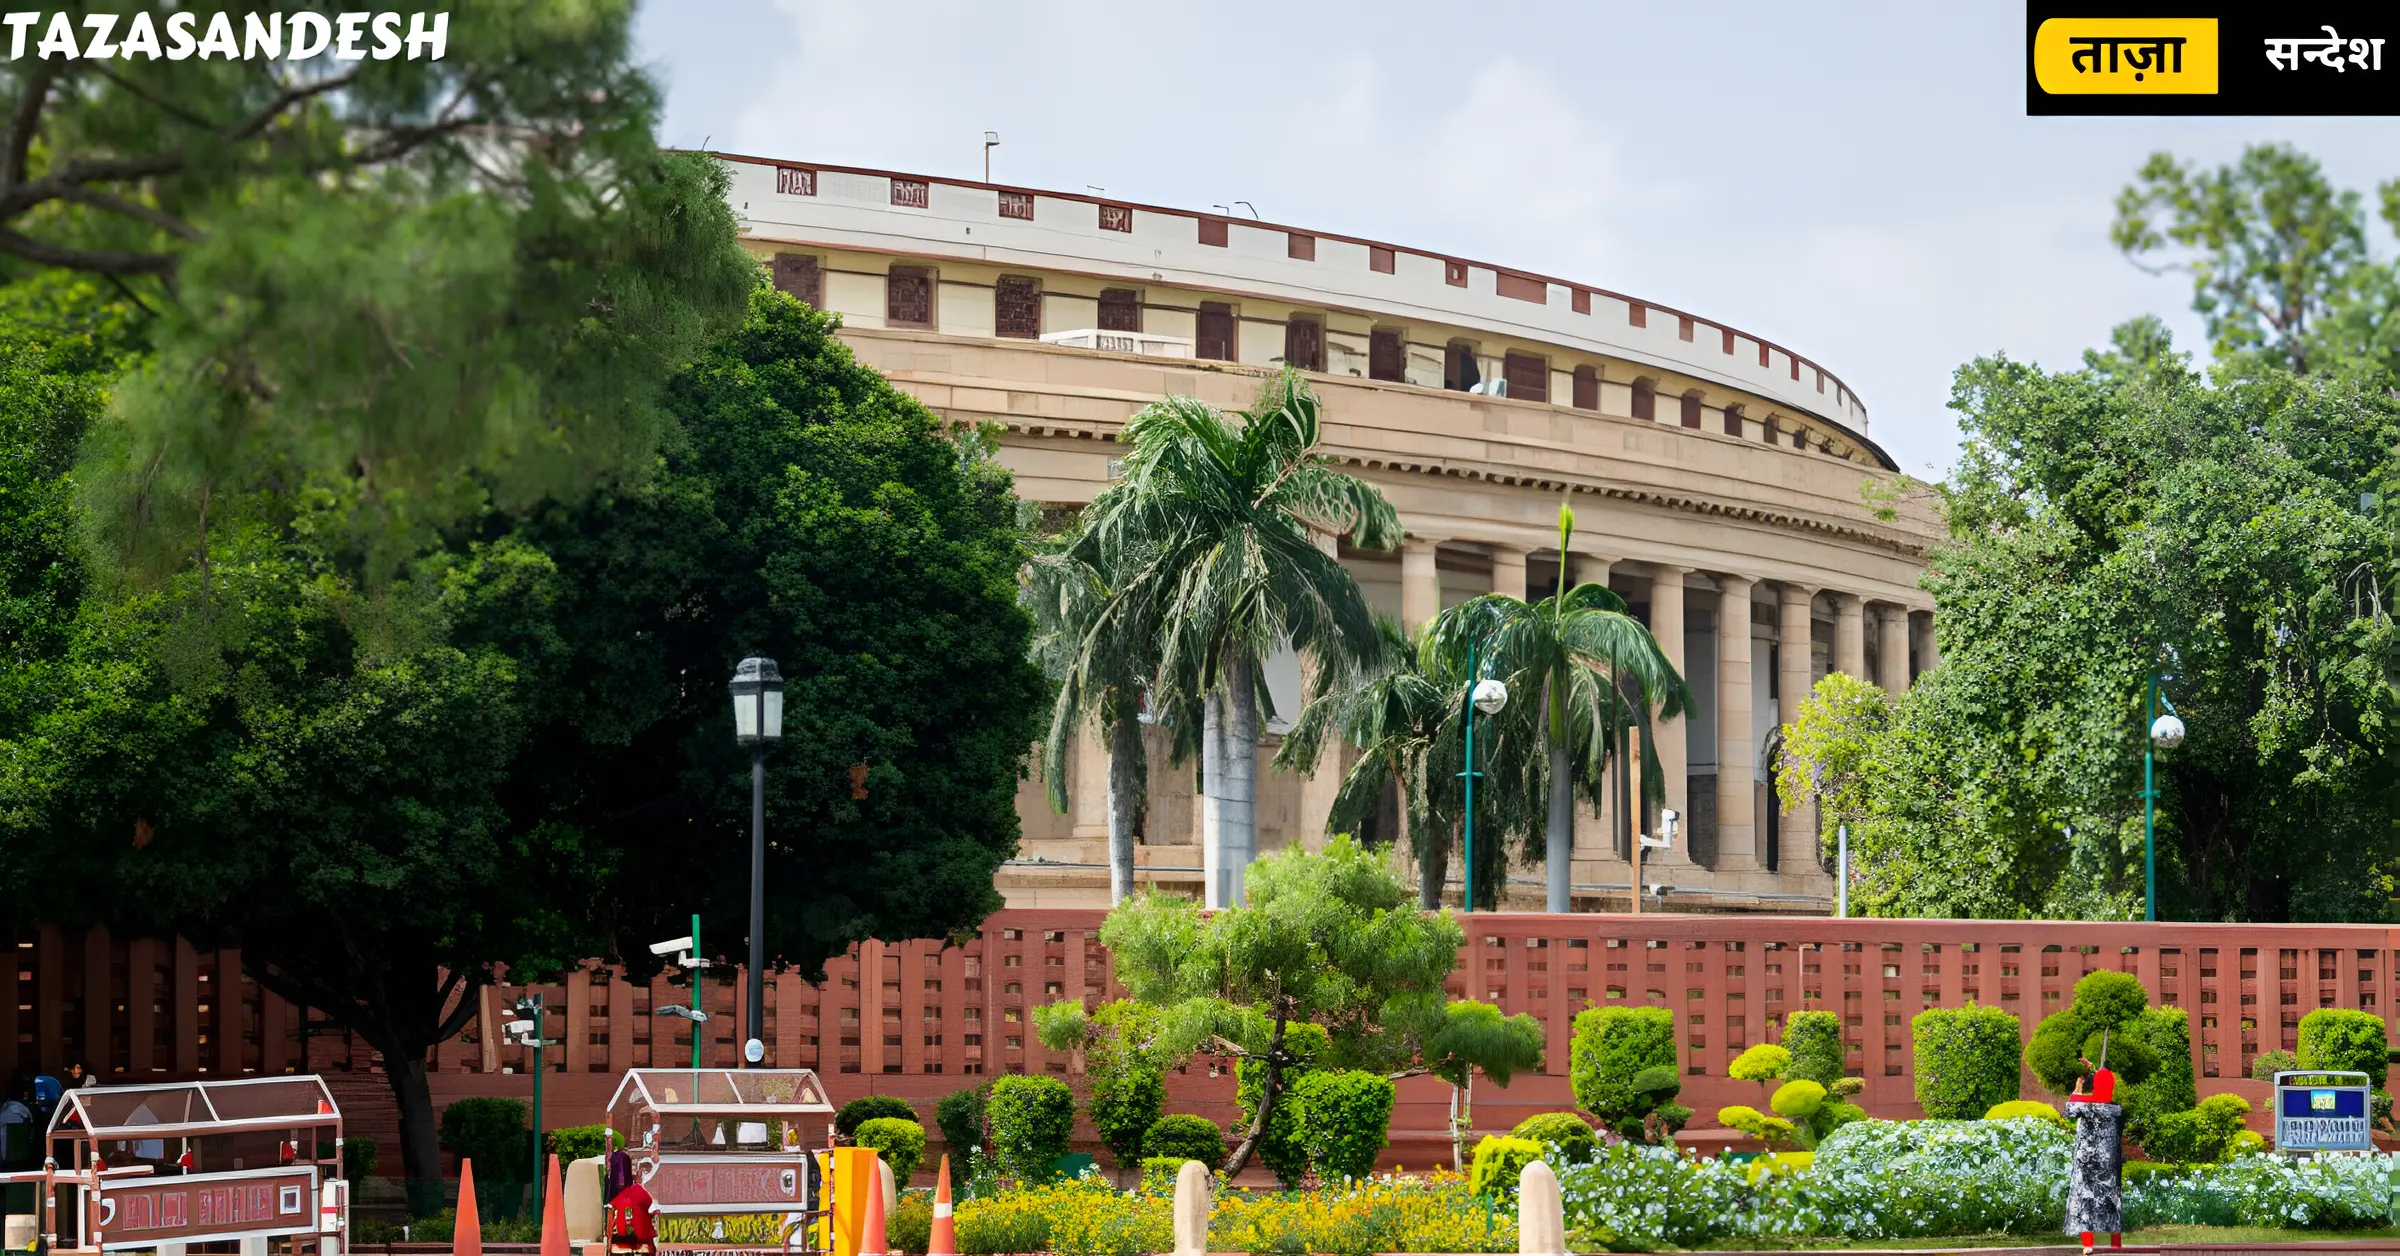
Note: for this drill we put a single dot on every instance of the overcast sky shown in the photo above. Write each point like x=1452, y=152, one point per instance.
x=1858, y=182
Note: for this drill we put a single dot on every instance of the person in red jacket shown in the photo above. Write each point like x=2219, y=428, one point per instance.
x=632, y=1225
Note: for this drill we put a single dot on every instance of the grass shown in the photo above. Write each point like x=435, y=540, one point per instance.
x=2154, y=1235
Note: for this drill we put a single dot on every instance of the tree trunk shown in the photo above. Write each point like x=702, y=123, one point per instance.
x=1238, y=812
x=1212, y=811
x=1126, y=788
x=1268, y=1092
x=420, y=1144
x=1559, y=837
x=1433, y=868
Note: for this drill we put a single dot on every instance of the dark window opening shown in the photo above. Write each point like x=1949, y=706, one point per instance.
x=908, y=297
x=1587, y=388
x=1304, y=344
x=1691, y=410
x=1387, y=358
x=1645, y=400
x=1017, y=308
x=1215, y=341
x=1733, y=420
x=1528, y=377
x=1120, y=309
x=1459, y=372
x=797, y=274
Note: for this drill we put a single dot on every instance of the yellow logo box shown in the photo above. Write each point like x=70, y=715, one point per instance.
x=2099, y=56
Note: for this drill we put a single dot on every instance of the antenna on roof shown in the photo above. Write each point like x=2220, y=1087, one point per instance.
x=1248, y=206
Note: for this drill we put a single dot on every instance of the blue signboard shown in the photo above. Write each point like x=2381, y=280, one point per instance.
x=2322, y=1111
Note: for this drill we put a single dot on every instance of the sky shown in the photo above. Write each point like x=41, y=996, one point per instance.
x=1856, y=181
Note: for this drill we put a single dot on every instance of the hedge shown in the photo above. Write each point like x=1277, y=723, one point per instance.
x=492, y=1133
x=1815, y=1042
x=2339, y=1038
x=1613, y=1046
x=1033, y=1124
x=2170, y=1088
x=1181, y=1136
x=1571, y=1134
x=859, y=1111
x=960, y=1116
x=1497, y=1164
x=578, y=1142
x=901, y=1142
x=2202, y=1135
x=1344, y=1120
x=1967, y=1060
x=1125, y=1103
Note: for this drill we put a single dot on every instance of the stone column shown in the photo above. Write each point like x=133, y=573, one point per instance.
x=1930, y=649
x=1849, y=635
x=1674, y=752
x=1892, y=646
x=1508, y=571
x=1793, y=653
x=1595, y=829
x=1737, y=753
x=1420, y=583
x=1588, y=569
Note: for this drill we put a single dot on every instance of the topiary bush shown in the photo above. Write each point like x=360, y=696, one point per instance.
x=2170, y=1087
x=1762, y=1064
x=1033, y=1124
x=1569, y=1133
x=866, y=1108
x=1968, y=1059
x=1613, y=1046
x=1814, y=1040
x=1181, y=1136
x=960, y=1116
x=2269, y=1063
x=1776, y=1132
x=1498, y=1162
x=578, y=1142
x=2339, y=1038
x=2106, y=1002
x=1345, y=1117
x=901, y=1143
x=2027, y=1107
x=492, y=1133
x=2203, y=1135
x=1656, y=1117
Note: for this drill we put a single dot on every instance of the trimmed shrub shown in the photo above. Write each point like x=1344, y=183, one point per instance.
x=2340, y=1038
x=1124, y=1105
x=902, y=1144
x=2269, y=1063
x=2170, y=1087
x=1033, y=1124
x=1612, y=1047
x=2026, y=1107
x=1774, y=1131
x=492, y=1133
x=1656, y=1116
x=1798, y=1101
x=1814, y=1040
x=960, y=1116
x=2105, y=1001
x=1279, y=1147
x=1967, y=1060
x=2202, y=1135
x=358, y=1158
x=1762, y=1064
x=577, y=1142
x=1498, y=1161
x=1182, y=1136
x=1569, y=1133
x=1344, y=1120
x=866, y=1108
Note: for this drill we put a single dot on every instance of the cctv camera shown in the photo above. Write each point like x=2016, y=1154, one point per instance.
x=517, y=1027
x=671, y=946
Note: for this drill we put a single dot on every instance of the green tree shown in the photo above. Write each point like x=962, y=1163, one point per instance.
x=960, y=1116
x=2271, y=247
x=1211, y=537
x=1827, y=745
x=1033, y=1124
x=1099, y=661
x=1327, y=939
x=1587, y=677
x=1125, y=1060
x=1475, y=1037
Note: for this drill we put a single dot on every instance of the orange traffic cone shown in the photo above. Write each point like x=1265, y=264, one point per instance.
x=554, y=1213
x=871, y=1240
x=466, y=1233
x=944, y=1241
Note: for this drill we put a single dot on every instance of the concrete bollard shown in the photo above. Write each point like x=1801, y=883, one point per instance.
x=1191, y=1209
x=1541, y=1216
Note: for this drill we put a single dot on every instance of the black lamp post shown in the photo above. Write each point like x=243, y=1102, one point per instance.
x=757, y=721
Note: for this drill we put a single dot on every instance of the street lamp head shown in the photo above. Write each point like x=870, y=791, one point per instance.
x=2166, y=732
x=1491, y=696
x=757, y=701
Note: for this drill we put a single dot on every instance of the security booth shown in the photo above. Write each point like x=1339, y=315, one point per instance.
x=250, y=1161
x=726, y=1143
x=2319, y=1110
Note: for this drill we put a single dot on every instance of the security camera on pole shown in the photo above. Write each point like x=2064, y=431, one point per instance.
x=526, y=1031
x=683, y=949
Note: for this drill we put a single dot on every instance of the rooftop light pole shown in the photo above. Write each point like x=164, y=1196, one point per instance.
x=757, y=722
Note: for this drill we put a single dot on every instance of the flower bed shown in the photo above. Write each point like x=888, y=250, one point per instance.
x=1386, y=1213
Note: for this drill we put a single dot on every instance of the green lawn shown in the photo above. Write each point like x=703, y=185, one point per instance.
x=2157, y=1234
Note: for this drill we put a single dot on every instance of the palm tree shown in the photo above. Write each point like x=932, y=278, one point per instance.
x=1099, y=668
x=1599, y=676
x=1209, y=540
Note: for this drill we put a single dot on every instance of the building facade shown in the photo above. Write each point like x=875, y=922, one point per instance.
x=1726, y=486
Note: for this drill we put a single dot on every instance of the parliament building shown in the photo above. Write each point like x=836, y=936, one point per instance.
x=1725, y=485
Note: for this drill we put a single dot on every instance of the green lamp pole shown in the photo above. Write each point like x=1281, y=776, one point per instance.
x=1490, y=697
x=2166, y=733
x=529, y=1027
x=698, y=966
